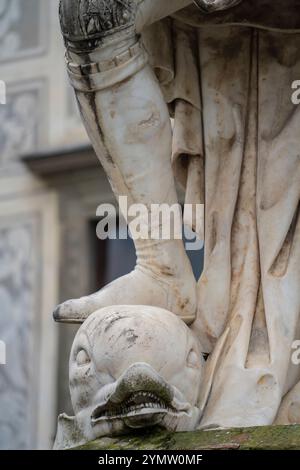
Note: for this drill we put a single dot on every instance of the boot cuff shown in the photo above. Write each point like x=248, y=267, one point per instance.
x=97, y=76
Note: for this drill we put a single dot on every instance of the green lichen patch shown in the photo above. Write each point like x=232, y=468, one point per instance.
x=256, y=438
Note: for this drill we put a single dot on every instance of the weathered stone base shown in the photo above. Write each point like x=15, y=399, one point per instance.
x=259, y=438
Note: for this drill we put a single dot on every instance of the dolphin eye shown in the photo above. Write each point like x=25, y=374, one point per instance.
x=193, y=359
x=82, y=358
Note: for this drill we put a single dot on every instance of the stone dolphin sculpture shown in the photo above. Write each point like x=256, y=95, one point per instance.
x=132, y=367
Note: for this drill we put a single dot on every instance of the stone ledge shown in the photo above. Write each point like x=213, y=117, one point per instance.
x=257, y=438
x=61, y=160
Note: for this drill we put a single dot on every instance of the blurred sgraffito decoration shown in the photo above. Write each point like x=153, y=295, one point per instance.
x=2, y=353
x=2, y=92
x=28, y=269
x=18, y=279
x=31, y=120
x=18, y=38
x=20, y=121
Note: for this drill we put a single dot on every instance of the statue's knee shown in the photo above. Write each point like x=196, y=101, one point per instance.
x=85, y=25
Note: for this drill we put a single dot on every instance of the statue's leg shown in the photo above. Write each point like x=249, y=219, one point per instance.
x=128, y=123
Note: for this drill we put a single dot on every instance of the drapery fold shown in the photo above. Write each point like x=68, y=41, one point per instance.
x=174, y=56
x=229, y=92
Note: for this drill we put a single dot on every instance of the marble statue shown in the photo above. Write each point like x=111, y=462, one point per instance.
x=223, y=70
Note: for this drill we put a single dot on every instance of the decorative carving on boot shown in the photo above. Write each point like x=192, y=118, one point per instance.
x=132, y=367
x=209, y=6
x=93, y=19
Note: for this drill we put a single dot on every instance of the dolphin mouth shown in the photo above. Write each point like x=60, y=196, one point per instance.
x=139, y=396
x=140, y=403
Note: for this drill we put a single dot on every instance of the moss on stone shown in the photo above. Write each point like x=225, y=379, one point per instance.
x=261, y=438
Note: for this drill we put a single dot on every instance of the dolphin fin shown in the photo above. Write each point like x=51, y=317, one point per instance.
x=68, y=433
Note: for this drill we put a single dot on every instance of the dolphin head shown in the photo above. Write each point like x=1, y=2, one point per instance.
x=133, y=367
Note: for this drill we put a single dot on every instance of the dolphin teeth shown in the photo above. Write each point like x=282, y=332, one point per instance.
x=132, y=406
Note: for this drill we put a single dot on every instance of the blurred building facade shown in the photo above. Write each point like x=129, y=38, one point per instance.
x=39, y=116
